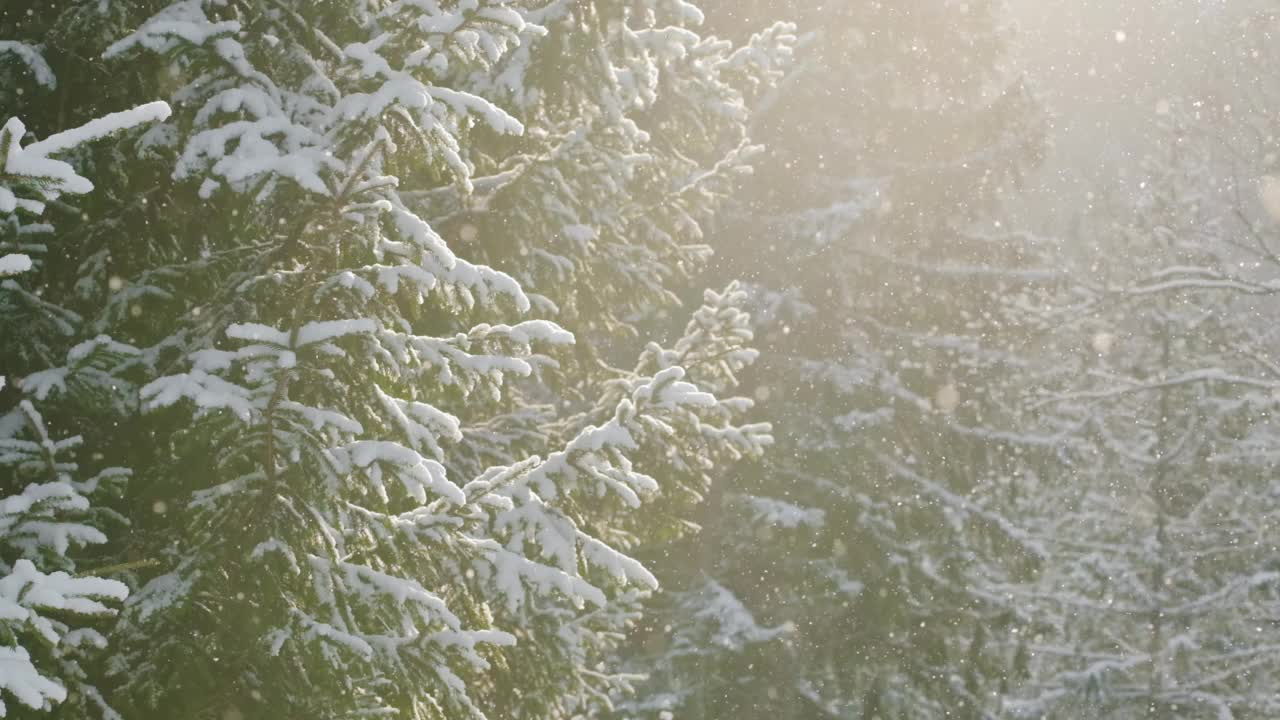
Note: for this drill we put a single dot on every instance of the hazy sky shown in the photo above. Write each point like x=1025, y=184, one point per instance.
x=1102, y=68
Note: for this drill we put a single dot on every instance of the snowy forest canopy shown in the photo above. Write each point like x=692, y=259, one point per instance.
x=639, y=359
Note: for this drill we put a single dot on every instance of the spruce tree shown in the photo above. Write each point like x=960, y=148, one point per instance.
x=363, y=481
x=50, y=608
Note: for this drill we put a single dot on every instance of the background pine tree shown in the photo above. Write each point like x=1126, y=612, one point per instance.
x=857, y=551
x=1158, y=590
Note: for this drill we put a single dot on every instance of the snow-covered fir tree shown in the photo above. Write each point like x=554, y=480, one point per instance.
x=50, y=608
x=856, y=551
x=645, y=140
x=364, y=481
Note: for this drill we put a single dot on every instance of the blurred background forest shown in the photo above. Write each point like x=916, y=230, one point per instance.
x=1012, y=264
